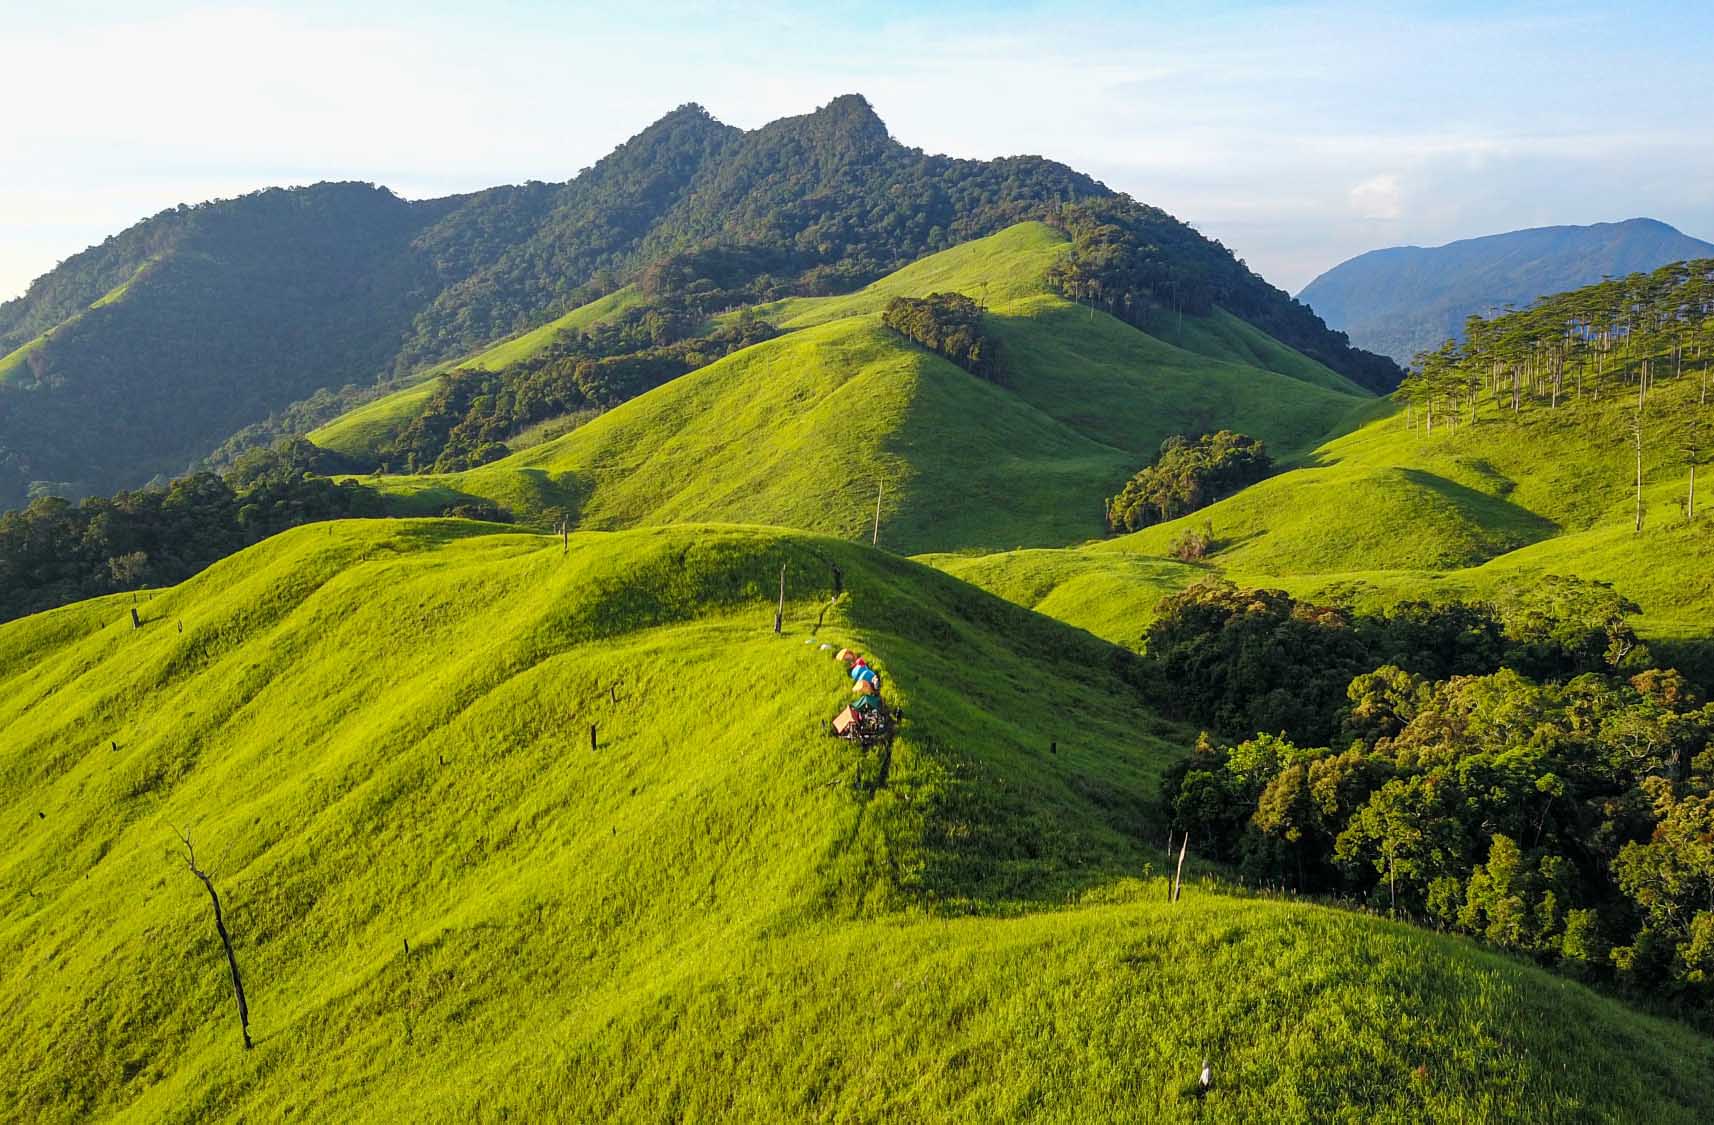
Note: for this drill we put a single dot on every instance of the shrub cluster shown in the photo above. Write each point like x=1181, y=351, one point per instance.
x=1188, y=474
x=949, y=324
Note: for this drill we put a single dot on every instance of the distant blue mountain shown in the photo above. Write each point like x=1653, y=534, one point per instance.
x=1408, y=299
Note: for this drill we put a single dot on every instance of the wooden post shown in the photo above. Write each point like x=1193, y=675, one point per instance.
x=1178, y=877
x=780, y=610
x=613, y=692
x=136, y=622
x=592, y=738
x=225, y=938
x=875, y=539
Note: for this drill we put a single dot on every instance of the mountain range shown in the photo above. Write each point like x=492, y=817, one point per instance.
x=1407, y=299
x=137, y=357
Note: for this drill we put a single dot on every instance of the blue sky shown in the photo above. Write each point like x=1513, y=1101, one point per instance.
x=1298, y=134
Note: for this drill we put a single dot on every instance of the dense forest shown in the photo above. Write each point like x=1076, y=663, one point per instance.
x=950, y=325
x=1521, y=772
x=1189, y=474
x=138, y=357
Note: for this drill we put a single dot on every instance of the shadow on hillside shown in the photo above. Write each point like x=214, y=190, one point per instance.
x=1490, y=511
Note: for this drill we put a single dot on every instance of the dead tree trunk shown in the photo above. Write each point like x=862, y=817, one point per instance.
x=1639, y=526
x=875, y=539
x=225, y=938
x=1178, y=876
x=780, y=610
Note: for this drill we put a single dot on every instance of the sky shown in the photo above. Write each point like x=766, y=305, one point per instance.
x=1299, y=134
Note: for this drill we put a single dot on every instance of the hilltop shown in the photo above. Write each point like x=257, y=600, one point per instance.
x=445, y=902
x=1406, y=299
x=238, y=321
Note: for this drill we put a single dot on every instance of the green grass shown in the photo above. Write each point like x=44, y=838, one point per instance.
x=995, y=270
x=799, y=431
x=527, y=344
x=378, y=732
x=366, y=429
x=363, y=431
x=1224, y=336
x=1385, y=512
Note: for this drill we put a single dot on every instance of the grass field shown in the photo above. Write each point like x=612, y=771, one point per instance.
x=803, y=430
x=1386, y=512
x=377, y=733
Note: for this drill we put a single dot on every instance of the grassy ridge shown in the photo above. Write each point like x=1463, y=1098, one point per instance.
x=1103, y=379
x=802, y=430
x=365, y=430
x=378, y=733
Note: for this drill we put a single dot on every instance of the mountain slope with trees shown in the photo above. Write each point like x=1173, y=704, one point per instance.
x=137, y=357
x=1407, y=299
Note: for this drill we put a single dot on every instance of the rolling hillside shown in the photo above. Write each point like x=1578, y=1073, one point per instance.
x=447, y=905
x=802, y=430
x=1407, y=299
x=1386, y=511
x=1001, y=269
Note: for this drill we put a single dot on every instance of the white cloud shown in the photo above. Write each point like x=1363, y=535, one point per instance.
x=1255, y=123
x=1378, y=197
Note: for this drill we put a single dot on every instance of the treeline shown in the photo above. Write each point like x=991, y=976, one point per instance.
x=948, y=324
x=1518, y=773
x=1619, y=336
x=54, y=551
x=471, y=414
x=1145, y=267
x=1189, y=474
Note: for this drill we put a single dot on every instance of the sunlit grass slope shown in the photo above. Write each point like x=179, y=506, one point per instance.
x=1387, y=512
x=377, y=733
x=803, y=430
x=363, y=431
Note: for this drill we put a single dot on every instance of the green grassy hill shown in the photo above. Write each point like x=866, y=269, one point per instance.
x=378, y=733
x=1387, y=511
x=800, y=431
